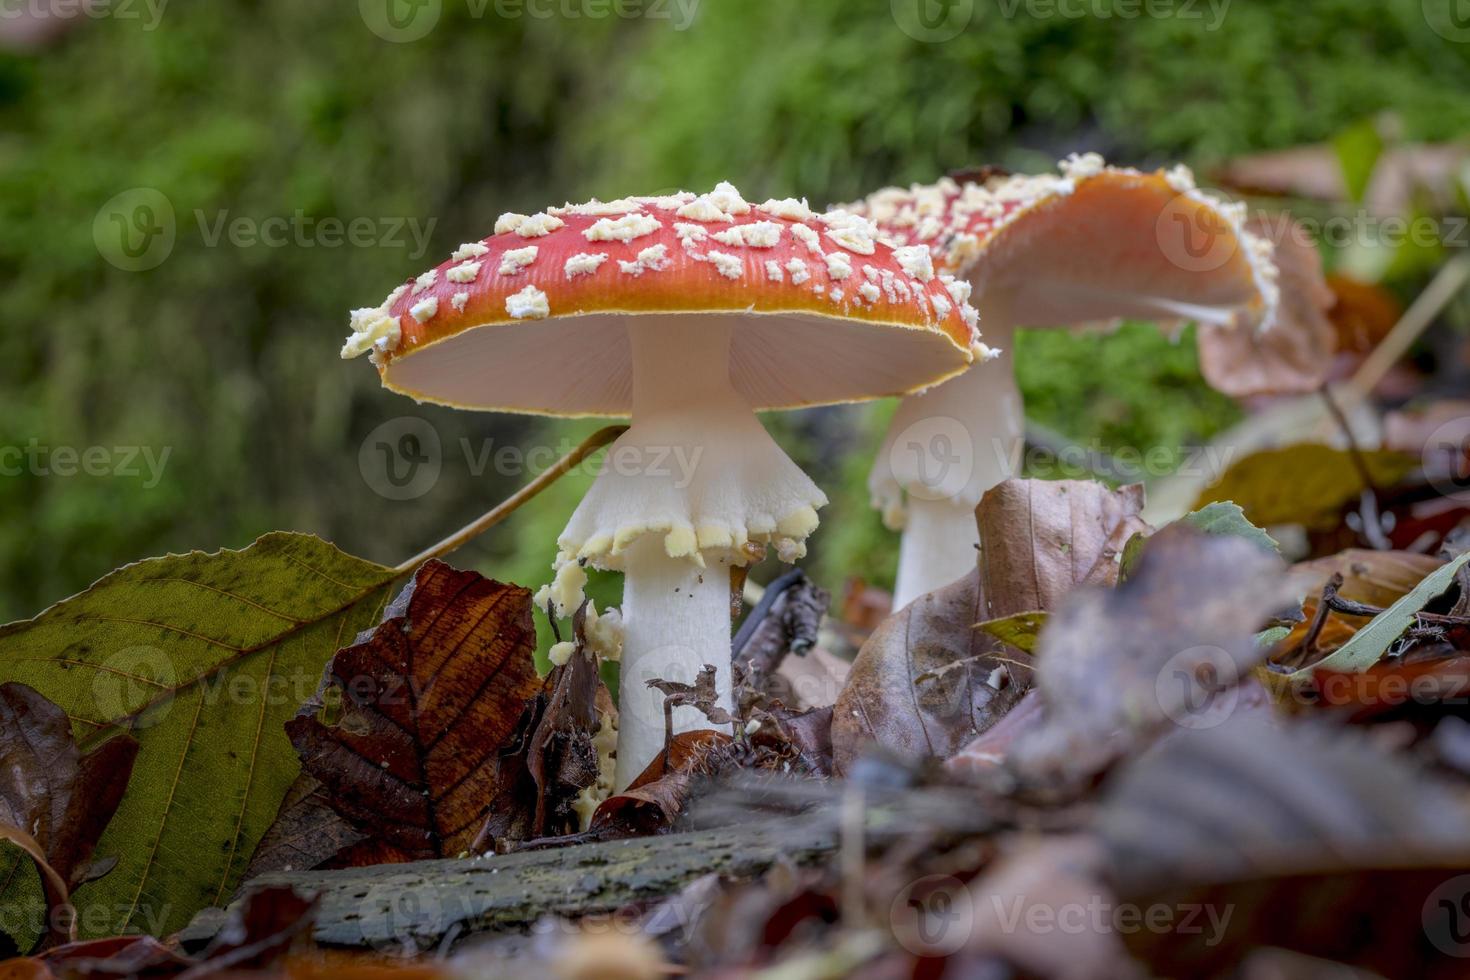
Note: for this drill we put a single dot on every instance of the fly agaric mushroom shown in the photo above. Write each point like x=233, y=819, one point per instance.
x=1092, y=244
x=688, y=313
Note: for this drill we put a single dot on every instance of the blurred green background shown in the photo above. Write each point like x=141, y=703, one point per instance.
x=449, y=112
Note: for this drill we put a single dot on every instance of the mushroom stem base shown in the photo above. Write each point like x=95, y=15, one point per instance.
x=677, y=619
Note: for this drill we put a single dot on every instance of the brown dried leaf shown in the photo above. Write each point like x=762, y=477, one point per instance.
x=53, y=795
x=1037, y=883
x=308, y=833
x=256, y=934
x=551, y=758
x=1169, y=644
x=428, y=700
x=1045, y=537
x=988, y=751
x=656, y=798
x=1311, y=838
x=1293, y=355
x=919, y=685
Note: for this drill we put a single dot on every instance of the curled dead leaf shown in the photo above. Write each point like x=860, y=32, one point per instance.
x=55, y=800
x=926, y=682
x=1293, y=354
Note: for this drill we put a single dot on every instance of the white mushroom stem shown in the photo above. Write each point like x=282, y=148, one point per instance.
x=944, y=449
x=935, y=548
x=678, y=619
x=681, y=495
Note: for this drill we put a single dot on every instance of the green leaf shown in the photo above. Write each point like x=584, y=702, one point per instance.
x=1020, y=631
x=1221, y=518
x=1370, y=643
x=203, y=657
x=1266, y=639
x=1225, y=517
x=1358, y=148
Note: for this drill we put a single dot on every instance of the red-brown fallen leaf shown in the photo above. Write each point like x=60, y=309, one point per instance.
x=308, y=833
x=1387, y=686
x=257, y=935
x=921, y=685
x=654, y=800
x=1363, y=314
x=1043, y=538
x=339, y=965
x=1294, y=355
x=25, y=968
x=429, y=698
x=1048, y=878
x=56, y=798
x=802, y=739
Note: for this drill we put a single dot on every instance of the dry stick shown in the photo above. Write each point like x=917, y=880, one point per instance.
x=1368, y=512
x=509, y=506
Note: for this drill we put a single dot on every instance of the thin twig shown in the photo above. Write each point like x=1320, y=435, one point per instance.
x=1324, y=608
x=512, y=503
x=1349, y=608
x=1368, y=509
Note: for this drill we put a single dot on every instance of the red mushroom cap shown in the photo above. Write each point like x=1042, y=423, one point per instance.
x=1090, y=243
x=828, y=312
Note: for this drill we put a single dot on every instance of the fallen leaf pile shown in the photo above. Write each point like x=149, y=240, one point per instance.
x=1231, y=740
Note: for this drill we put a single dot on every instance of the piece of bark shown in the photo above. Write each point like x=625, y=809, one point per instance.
x=789, y=625
x=418, y=904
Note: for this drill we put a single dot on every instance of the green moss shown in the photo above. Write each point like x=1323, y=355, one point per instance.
x=226, y=356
